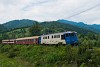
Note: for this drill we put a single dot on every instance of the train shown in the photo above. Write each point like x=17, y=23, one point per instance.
x=67, y=38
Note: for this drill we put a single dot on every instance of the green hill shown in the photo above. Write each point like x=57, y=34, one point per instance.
x=63, y=26
x=93, y=27
x=54, y=26
x=2, y=28
x=46, y=28
x=18, y=24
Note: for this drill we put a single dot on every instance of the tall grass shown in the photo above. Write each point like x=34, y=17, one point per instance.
x=49, y=56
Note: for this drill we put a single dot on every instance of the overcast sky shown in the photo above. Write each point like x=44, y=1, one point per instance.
x=49, y=10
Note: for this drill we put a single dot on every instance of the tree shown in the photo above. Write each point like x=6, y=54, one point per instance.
x=35, y=30
x=91, y=36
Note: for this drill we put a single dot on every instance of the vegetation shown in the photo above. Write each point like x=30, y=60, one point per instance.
x=18, y=24
x=86, y=54
x=51, y=56
x=12, y=62
x=42, y=28
x=35, y=30
x=94, y=27
x=27, y=23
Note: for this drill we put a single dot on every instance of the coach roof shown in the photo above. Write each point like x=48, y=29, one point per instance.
x=27, y=38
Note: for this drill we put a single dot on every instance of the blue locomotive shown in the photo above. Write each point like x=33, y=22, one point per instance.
x=68, y=37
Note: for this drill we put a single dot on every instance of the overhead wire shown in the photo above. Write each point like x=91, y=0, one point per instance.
x=83, y=11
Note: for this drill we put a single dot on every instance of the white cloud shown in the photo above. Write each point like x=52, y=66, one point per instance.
x=48, y=10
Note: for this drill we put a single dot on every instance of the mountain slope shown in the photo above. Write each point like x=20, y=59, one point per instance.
x=2, y=28
x=55, y=26
x=95, y=28
x=46, y=28
x=19, y=23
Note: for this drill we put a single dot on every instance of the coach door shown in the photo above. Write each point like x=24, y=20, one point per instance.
x=39, y=40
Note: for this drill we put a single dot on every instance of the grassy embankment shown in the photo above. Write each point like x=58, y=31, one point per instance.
x=49, y=56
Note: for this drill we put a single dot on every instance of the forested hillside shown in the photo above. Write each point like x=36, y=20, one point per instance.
x=46, y=28
x=61, y=27
x=2, y=28
x=94, y=27
x=70, y=25
x=18, y=24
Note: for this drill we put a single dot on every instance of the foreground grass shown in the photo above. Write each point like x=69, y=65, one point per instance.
x=49, y=56
x=12, y=62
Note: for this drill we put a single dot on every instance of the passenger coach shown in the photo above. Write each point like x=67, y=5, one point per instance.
x=27, y=40
x=9, y=41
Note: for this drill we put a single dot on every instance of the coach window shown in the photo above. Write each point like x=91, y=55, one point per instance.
x=52, y=36
x=48, y=37
x=58, y=36
x=33, y=40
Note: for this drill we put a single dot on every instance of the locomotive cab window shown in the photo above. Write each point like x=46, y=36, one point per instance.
x=62, y=37
x=72, y=34
x=66, y=35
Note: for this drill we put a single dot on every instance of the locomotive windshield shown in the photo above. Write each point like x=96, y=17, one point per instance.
x=70, y=34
